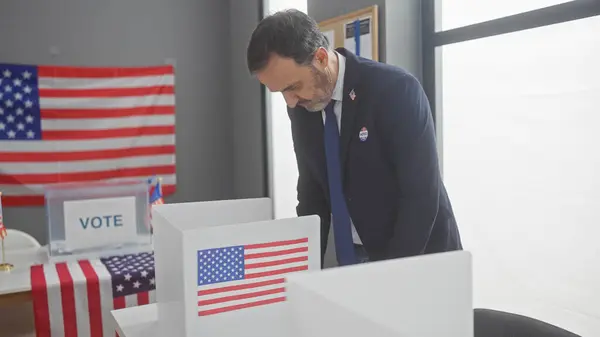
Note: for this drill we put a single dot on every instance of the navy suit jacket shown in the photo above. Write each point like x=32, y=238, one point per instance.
x=391, y=179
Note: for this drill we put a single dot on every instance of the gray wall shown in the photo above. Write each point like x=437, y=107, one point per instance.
x=219, y=133
x=399, y=41
x=249, y=170
x=404, y=39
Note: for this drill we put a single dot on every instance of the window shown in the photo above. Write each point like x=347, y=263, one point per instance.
x=521, y=151
x=459, y=13
x=283, y=170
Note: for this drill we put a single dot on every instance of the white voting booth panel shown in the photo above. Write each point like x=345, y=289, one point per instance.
x=168, y=242
x=138, y=321
x=221, y=267
x=218, y=212
x=424, y=296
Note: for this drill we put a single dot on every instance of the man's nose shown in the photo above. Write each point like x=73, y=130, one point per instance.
x=290, y=99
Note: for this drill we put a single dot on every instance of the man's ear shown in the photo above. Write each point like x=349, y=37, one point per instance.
x=321, y=59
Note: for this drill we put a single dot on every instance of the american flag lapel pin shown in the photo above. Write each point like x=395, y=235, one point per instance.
x=352, y=94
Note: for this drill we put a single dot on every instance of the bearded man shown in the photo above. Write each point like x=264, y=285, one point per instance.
x=364, y=141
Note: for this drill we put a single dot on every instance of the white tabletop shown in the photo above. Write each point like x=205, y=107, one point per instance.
x=140, y=321
x=19, y=280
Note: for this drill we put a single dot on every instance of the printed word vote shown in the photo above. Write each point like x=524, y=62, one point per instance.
x=102, y=221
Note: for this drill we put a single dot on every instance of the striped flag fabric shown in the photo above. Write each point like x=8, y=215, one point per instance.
x=239, y=277
x=75, y=298
x=76, y=124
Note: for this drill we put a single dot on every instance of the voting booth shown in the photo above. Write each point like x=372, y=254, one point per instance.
x=87, y=220
x=221, y=267
x=423, y=296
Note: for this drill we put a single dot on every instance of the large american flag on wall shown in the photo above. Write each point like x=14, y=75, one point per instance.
x=77, y=124
x=75, y=298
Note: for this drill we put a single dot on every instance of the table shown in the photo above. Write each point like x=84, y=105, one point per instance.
x=15, y=286
x=140, y=321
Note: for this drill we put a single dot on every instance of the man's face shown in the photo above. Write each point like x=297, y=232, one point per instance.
x=307, y=86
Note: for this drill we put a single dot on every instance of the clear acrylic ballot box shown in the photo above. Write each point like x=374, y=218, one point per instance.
x=90, y=220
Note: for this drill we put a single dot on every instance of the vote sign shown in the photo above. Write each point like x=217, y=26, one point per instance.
x=99, y=222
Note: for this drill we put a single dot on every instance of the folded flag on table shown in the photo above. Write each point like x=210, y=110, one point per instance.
x=75, y=298
x=3, y=232
x=82, y=124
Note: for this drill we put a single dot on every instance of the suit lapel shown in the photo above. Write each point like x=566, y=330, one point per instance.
x=349, y=105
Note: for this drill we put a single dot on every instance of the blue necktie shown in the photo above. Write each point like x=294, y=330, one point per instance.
x=342, y=231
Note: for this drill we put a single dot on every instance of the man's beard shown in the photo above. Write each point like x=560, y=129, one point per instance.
x=324, y=92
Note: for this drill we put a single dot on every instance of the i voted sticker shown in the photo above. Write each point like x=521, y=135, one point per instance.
x=363, y=134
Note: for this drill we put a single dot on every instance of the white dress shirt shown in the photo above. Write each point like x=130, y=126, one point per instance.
x=338, y=93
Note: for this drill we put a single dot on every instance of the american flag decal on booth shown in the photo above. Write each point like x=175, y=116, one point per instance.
x=78, y=124
x=239, y=277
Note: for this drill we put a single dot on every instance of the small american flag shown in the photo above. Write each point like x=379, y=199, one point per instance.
x=78, y=124
x=75, y=299
x=155, y=198
x=240, y=277
x=156, y=193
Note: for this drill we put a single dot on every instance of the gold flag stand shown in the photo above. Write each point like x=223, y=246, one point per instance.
x=5, y=266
